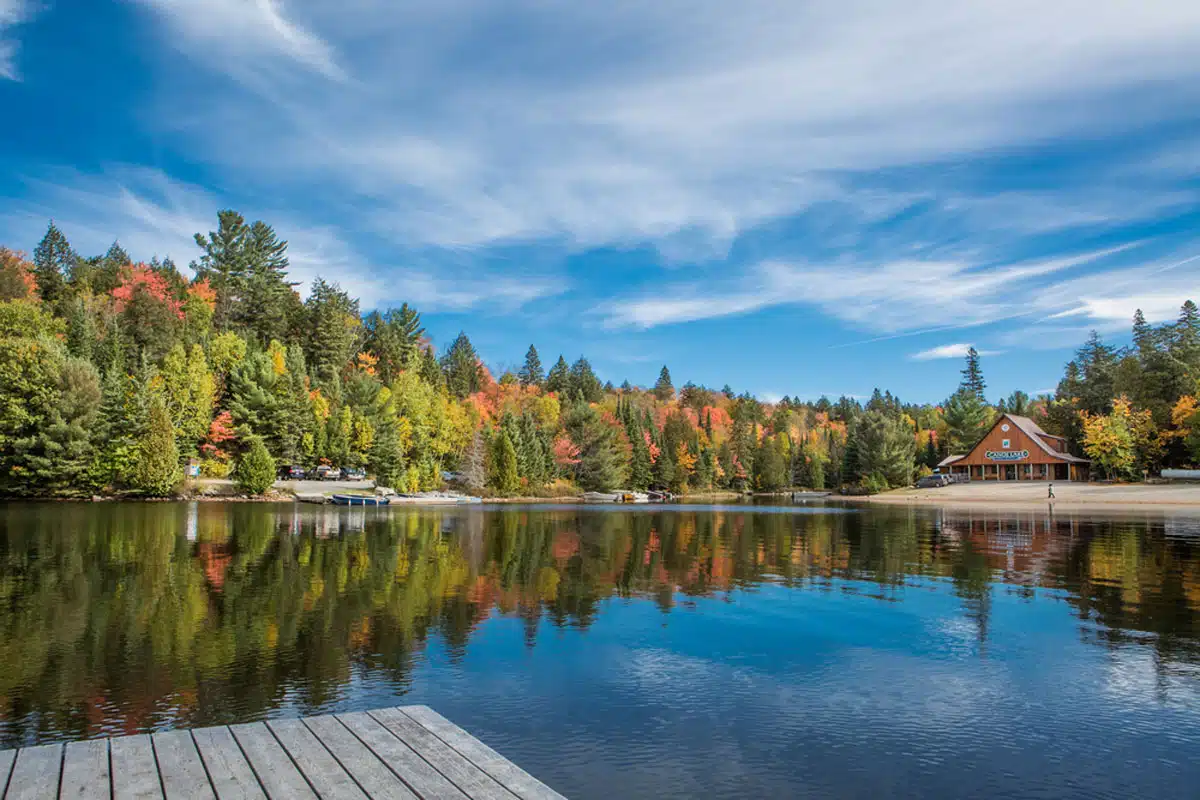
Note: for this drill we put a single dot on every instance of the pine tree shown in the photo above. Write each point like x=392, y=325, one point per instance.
x=156, y=471
x=531, y=372
x=460, y=365
x=53, y=262
x=968, y=419
x=1143, y=334
x=255, y=472
x=505, y=476
x=663, y=389
x=972, y=379
x=584, y=382
x=558, y=380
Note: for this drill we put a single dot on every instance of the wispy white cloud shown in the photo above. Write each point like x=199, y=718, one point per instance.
x=153, y=215
x=949, y=351
x=890, y=297
x=682, y=124
x=12, y=13
x=243, y=34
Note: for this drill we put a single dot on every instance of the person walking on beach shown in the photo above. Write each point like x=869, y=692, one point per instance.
x=1050, y=490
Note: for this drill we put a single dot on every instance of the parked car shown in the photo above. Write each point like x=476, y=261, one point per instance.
x=934, y=481
x=354, y=474
x=291, y=472
x=325, y=473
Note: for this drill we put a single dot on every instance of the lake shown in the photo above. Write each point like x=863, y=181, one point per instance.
x=655, y=651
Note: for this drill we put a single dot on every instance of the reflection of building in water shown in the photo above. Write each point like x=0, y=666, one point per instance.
x=328, y=522
x=193, y=521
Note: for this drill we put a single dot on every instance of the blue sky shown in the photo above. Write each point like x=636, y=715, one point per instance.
x=792, y=198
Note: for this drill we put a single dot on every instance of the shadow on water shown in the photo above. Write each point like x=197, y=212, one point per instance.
x=119, y=618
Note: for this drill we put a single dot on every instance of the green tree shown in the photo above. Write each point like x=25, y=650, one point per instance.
x=156, y=471
x=664, y=390
x=770, y=471
x=602, y=463
x=531, y=372
x=584, y=382
x=255, y=471
x=394, y=338
x=190, y=392
x=332, y=326
x=886, y=448
x=460, y=365
x=504, y=476
x=558, y=380
x=972, y=376
x=53, y=261
x=967, y=419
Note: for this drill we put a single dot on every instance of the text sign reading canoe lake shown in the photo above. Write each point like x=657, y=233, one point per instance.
x=1006, y=455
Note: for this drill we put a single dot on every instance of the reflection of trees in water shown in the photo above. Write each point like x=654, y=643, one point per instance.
x=146, y=613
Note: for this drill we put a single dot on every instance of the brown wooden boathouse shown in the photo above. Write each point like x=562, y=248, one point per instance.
x=1017, y=449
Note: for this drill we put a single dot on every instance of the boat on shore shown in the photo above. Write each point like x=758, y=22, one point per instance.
x=358, y=500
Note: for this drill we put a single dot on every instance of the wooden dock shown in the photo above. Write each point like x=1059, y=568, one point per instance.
x=406, y=752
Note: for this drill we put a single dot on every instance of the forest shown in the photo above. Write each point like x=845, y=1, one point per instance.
x=115, y=375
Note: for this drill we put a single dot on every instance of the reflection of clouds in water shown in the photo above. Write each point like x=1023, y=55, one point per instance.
x=1137, y=678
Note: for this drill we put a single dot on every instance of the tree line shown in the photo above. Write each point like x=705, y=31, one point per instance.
x=114, y=374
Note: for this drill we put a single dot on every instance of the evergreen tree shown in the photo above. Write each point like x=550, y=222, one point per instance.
x=972, y=380
x=460, y=365
x=1017, y=403
x=886, y=448
x=931, y=454
x=601, y=464
x=770, y=472
x=968, y=419
x=53, y=261
x=505, y=477
x=333, y=327
x=156, y=471
x=584, y=382
x=255, y=472
x=395, y=340
x=558, y=380
x=531, y=372
x=663, y=388
x=431, y=370
x=1097, y=364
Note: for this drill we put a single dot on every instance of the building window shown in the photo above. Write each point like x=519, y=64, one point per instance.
x=1006, y=444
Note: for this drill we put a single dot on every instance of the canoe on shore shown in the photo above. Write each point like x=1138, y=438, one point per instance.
x=358, y=500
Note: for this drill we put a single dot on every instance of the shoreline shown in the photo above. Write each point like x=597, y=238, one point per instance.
x=1068, y=497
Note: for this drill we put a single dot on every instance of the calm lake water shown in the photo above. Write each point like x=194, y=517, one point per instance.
x=656, y=652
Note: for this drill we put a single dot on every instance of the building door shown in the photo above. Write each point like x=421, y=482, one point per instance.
x=1010, y=472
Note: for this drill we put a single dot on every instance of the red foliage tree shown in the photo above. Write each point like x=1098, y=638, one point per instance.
x=140, y=277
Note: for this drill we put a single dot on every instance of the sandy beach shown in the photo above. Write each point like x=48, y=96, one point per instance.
x=1073, y=496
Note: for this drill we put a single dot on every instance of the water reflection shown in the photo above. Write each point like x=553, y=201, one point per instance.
x=117, y=618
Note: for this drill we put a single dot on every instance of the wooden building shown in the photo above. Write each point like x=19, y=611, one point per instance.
x=1017, y=449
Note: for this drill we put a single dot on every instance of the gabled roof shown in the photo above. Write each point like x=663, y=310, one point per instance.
x=1035, y=432
x=948, y=460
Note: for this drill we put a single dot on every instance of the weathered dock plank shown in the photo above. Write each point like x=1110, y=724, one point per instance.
x=85, y=774
x=403, y=760
x=379, y=782
x=35, y=773
x=7, y=757
x=404, y=753
x=323, y=771
x=134, y=769
x=230, y=772
x=474, y=782
x=275, y=770
x=180, y=767
x=507, y=773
